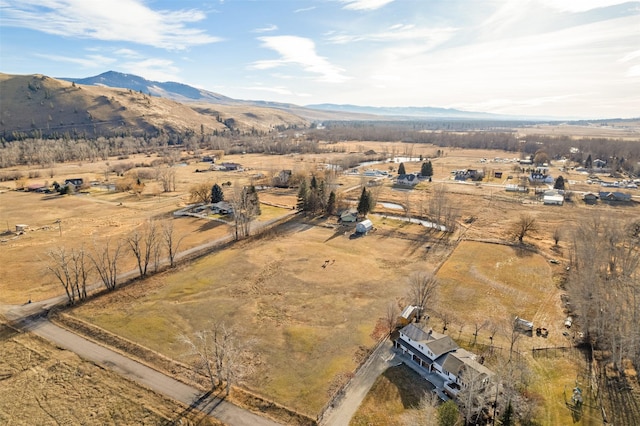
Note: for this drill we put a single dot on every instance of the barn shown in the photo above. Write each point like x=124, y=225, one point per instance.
x=364, y=226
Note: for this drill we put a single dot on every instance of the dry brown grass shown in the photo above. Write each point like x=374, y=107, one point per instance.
x=308, y=322
x=398, y=390
x=42, y=384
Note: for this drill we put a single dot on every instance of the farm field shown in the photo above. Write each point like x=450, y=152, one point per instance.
x=306, y=325
x=43, y=385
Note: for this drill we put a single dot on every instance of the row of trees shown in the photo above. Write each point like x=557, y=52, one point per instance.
x=604, y=285
x=75, y=268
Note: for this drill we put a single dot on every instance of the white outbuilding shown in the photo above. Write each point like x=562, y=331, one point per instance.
x=364, y=226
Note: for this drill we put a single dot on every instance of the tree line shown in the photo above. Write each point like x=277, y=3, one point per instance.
x=76, y=268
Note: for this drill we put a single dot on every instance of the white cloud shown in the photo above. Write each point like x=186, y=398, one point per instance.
x=580, y=5
x=156, y=69
x=127, y=53
x=426, y=36
x=304, y=9
x=115, y=20
x=89, y=61
x=364, y=4
x=299, y=51
x=266, y=29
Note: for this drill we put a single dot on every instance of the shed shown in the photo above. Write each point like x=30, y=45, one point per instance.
x=364, y=226
x=523, y=324
x=553, y=200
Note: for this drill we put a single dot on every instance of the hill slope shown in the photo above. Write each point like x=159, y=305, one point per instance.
x=41, y=105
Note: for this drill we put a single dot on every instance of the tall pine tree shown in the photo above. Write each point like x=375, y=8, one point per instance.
x=216, y=194
x=364, y=205
x=401, y=170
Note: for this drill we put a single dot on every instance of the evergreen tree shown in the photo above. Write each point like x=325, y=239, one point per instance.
x=507, y=417
x=559, y=184
x=401, y=170
x=331, y=204
x=364, y=205
x=216, y=194
x=448, y=414
x=303, y=194
x=426, y=169
x=588, y=163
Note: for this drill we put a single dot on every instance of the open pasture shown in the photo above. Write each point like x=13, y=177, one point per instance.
x=306, y=325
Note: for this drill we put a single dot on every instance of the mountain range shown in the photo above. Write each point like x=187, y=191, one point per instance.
x=185, y=93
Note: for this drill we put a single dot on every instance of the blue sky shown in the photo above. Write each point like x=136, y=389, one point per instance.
x=573, y=58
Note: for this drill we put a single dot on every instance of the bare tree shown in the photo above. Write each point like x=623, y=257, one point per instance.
x=478, y=325
x=523, y=226
x=557, y=234
x=472, y=397
x=106, y=261
x=422, y=287
x=200, y=193
x=143, y=243
x=216, y=353
x=167, y=177
x=171, y=242
x=391, y=317
x=246, y=206
x=72, y=270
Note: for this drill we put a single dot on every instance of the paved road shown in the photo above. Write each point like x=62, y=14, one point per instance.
x=33, y=317
x=220, y=409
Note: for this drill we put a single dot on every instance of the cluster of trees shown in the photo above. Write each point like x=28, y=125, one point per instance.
x=314, y=197
x=76, y=268
x=604, y=286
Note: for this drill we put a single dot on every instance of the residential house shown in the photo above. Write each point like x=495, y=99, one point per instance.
x=75, y=182
x=438, y=353
x=614, y=196
x=465, y=174
x=598, y=163
x=409, y=179
x=222, y=207
x=231, y=166
x=349, y=216
x=540, y=177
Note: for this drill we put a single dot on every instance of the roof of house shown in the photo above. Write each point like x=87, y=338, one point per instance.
x=436, y=342
x=442, y=345
x=408, y=177
x=460, y=359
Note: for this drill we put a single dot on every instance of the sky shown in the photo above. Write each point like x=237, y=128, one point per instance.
x=562, y=58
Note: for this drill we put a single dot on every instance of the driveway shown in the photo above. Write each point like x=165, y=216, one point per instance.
x=346, y=406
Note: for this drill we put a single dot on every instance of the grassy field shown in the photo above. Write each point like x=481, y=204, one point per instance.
x=307, y=323
x=394, y=394
x=44, y=385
